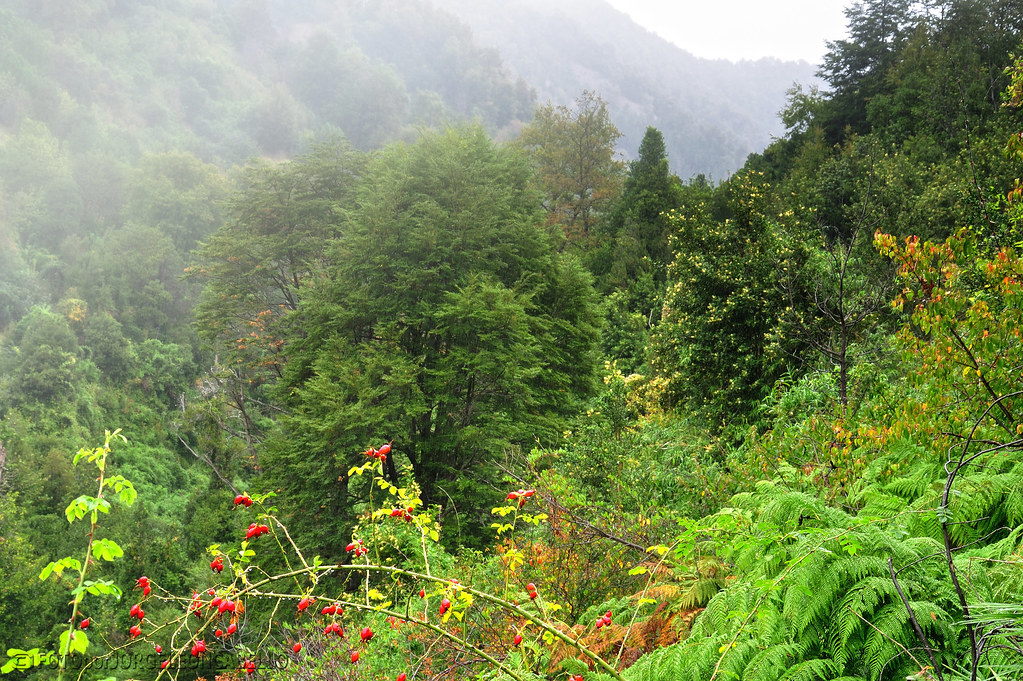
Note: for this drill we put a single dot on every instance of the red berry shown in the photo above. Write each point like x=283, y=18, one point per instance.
x=217, y=564
x=533, y=595
x=85, y=623
x=297, y=648
x=134, y=611
x=145, y=591
x=517, y=640
x=232, y=628
x=164, y=664
x=135, y=631
x=385, y=450
x=239, y=499
x=142, y=582
x=304, y=603
x=422, y=593
x=249, y=666
x=355, y=656
x=158, y=649
x=445, y=604
x=366, y=634
x=218, y=633
x=401, y=677
x=600, y=622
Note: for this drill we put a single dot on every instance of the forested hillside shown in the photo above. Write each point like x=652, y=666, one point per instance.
x=712, y=113
x=438, y=367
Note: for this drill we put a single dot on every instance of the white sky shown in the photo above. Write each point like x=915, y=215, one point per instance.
x=743, y=29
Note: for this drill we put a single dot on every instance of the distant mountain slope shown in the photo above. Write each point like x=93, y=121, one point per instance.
x=713, y=113
x=229, y=79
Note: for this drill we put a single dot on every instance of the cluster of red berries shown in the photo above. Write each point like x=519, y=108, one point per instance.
x=576, y=677
x=531, y=590
x=143, y=583
x=604, y=621
x=243, y=500
x=137, y=612
x=249, y=666
x=225, y=605
x=402, y=514
x=379, y=453
x=332, y=609
x=217, y=564
x=256, y=530
x=445, y=605
x=333, y=628
x=135, y=631
x=521, y=495
x=357, y=548
x=198, y=648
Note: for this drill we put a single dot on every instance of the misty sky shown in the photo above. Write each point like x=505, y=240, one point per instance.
x=743, y=29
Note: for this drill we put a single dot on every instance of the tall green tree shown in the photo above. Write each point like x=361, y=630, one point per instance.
x=713, y=344
x=253, y=267
x=631, y=256
x=856, y=67
x=577, y=167
x=446, y=323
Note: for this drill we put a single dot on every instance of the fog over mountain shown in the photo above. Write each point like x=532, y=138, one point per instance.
x=231, y=79
x=713, y=113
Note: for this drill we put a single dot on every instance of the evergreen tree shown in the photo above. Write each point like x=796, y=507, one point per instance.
x=630, y=259
x=446, y=323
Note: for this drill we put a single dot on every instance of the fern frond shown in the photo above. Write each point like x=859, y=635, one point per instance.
x=770, y=664
x=812, y=670
x=888, y=639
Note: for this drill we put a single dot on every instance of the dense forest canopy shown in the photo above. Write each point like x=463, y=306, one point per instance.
x=450, y=347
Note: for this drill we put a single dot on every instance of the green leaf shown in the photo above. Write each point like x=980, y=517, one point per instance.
x=59, y=566
x=126, y=493
x=106, y=549
x=638, y=570
x=100, y=587
x=78, y=641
